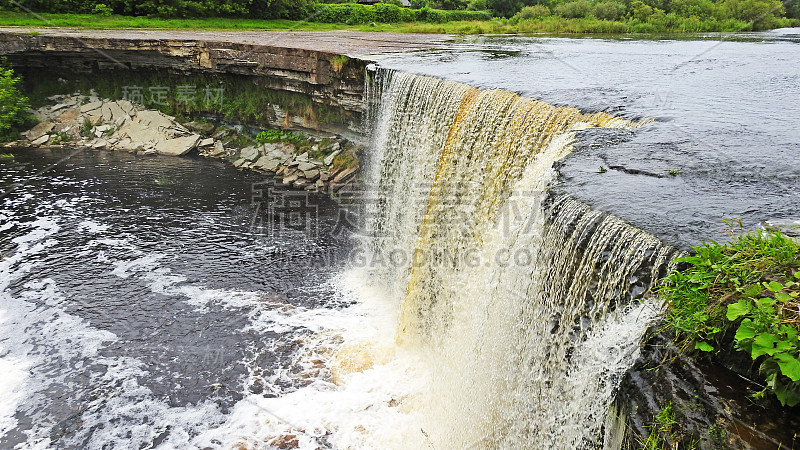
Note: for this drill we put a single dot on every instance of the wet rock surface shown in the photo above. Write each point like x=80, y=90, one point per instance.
x=712, y=403
x=86, y=121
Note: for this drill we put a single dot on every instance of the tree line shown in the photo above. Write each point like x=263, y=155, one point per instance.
x=767, y=13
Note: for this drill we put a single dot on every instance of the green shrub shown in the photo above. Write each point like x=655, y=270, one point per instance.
x=268, y=136
x=745, y=294
x=764, y=14
x=448, y=4
x=703, y=9
x=532, y=12
x=13, y=105
x=574, y=10
x=641, y=11
x=478, y=5
x=102, y=9
x=609, y=10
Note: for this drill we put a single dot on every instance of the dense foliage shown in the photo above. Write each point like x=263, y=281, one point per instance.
x=637, y=15
x=264, y=9
x=13, y=105
x=743, y=295
x=353, y=13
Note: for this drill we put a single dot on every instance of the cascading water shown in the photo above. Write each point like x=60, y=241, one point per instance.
x=519, y=310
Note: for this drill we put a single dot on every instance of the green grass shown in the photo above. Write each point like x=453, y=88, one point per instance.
x=552, y=24
x=743, y=296
x=666, y=433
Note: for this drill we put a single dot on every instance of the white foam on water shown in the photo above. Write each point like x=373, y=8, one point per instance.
x=361, y=388
x=90, y=226
x=42, y=346
x=30, y=329
x=13, y=374
x=130, y=416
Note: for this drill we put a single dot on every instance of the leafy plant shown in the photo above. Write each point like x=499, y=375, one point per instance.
x=532, y=12
x=768, y=330
x=102, y=9
x=13, y=105
x=675, y=172
x=86, y=128
x=744, y=295
x=59, y=137
x=278, y=136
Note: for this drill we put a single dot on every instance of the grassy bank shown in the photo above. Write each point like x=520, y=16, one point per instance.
x=552, y=24
x=740, y=302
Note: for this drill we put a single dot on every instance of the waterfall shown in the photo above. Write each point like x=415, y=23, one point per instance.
x=525, y=308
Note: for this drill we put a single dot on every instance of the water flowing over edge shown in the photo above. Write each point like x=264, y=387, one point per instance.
x=502, y=290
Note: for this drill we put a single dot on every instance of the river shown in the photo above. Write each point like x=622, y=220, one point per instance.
x=178, y=303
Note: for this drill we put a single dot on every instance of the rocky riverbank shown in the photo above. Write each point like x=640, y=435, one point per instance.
x=322, y=164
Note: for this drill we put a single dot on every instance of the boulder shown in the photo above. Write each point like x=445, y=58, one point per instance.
x=278, y=149
x=267, y=163
x=311, y=174
x=207, y=142
x=329, y=159
x=95, y=116
x=41, y=140
x=139, y=133
x=303, y=157
x=306, y=166
x=345, y=175
x=300, y=183
x=91, y=106
x=178, y=146
x=126, y=106
x=239, y=162
x=788, y=227
x=154, y=119
x=219, y=149
x=249, y=153
x=111, y=112
x=39, y=130
x=125, y=144
x=69, y=115
x=290, y=179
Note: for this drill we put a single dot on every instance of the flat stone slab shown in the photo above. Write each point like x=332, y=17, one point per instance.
x=154, y=119
x=178, y=146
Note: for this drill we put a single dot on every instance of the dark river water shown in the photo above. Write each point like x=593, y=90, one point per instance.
x=141, y=298
x=726, y=108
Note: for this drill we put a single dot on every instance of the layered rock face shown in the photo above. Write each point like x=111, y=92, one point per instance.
x=330, y=82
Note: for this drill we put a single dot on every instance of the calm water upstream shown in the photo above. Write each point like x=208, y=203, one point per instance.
x=726, y=114
x=163, y=303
